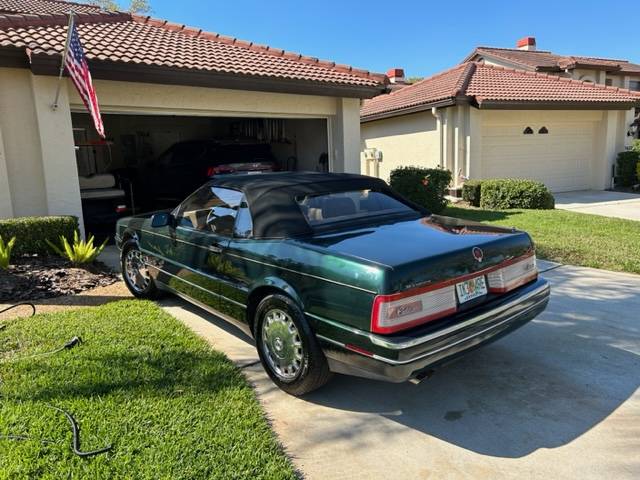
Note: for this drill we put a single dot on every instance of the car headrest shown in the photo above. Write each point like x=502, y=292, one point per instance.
x=338, y=207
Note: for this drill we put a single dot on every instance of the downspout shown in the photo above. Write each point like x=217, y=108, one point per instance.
x=436, y=113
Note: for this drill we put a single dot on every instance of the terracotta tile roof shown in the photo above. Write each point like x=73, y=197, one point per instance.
x=491, y=84
x=444, y=86
x=133, y=39
x=488, y=86
x=45, y=6
x=545, y=60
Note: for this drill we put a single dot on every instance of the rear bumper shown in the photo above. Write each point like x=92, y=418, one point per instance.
x=398, y=358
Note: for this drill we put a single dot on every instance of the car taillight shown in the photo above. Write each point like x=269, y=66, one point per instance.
x=512, y=276
x=212, y=171
x=121, y=208
x=400, y=311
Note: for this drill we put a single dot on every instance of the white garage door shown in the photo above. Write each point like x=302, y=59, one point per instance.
x=561, y=159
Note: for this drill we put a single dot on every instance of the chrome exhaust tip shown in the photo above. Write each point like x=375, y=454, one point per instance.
x=421, y=376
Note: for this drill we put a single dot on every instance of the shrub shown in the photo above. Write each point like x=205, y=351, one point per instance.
x=471, y=191
x=635, y=146
x=32, y=233
x=5, y=252
x=425, y=186
x=80, y=251
x=515, y=193
x=626, y=166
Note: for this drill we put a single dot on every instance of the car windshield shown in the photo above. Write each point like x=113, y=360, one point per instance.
x=329, y=208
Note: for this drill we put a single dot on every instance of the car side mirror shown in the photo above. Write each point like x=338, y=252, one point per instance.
x=159, y=220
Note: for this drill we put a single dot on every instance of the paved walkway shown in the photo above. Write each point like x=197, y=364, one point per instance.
x=607, y=204
x=556, y=399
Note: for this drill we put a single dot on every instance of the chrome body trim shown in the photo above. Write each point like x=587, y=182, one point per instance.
x=241, y=325
x=205, y=247
x=149, y=265
x=263, y=263
x=302, y=273
x=383, y=342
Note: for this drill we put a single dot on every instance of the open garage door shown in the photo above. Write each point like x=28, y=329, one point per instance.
x=561, y=158
x=152, y=162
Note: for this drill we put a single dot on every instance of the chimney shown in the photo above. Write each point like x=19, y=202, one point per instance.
x=396, y=75
x=526, y=43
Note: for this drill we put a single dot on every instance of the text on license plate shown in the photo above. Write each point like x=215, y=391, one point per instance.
x=470, y=289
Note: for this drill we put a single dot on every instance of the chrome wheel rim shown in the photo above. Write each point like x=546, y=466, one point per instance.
x=136, y=270
x=282, y=345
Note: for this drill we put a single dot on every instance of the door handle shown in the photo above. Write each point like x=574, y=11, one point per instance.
x=214, y=249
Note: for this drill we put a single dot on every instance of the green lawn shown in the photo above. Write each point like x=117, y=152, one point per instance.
x=568, y=237
x=171, y=406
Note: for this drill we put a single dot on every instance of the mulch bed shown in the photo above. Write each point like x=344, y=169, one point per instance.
x=34, y=278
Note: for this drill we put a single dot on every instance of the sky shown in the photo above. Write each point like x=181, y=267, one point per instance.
x=423, y=37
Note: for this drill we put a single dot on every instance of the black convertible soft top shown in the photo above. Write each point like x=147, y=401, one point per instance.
x=272, y=197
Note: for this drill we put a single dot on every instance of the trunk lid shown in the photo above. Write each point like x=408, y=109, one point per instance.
x=427, y=250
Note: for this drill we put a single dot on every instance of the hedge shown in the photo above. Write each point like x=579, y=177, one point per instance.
x=32, y=232
x=508, y=193
x=425, y=186
x=471, y=192
x=626, y=168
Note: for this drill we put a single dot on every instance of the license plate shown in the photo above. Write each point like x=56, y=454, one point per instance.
x=470, y=289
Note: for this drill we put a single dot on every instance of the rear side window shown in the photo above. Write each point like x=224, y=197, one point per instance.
x=336, y=207
x=211, y=209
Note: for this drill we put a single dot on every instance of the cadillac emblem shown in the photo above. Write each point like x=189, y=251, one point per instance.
x=477, y=253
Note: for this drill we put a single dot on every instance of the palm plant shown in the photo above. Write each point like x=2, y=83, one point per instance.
x=80, y=251
x=5, y=252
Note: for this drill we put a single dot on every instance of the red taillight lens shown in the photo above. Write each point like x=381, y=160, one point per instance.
x=212, y=171
x=121, y=208
x=400, y=311
x=512, y=276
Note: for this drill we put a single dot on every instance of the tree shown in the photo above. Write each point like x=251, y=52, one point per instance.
x=135, y=6
x=411, y=80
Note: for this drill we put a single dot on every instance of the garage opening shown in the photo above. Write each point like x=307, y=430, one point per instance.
x=152, y=162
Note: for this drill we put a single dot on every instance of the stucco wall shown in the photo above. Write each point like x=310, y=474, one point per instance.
x=129, y=97
x=22, y=151
x=406, y=140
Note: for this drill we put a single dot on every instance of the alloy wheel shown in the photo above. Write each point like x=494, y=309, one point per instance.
x=282, y=345
x=136, y=270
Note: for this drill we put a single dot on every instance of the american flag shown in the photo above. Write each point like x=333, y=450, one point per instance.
x=78, y=70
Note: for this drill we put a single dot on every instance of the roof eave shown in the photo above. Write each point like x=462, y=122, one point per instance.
x=555, y=105
x=447, y=102
x=45, y=64
x=13, y=57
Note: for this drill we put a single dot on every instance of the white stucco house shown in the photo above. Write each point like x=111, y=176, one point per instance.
x=157, y=83
x=508, y=113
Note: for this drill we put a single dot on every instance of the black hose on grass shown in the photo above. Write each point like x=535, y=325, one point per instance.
x=28, y=304
x=67, y=346
x=75, y=429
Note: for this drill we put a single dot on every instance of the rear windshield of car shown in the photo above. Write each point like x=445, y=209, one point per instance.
x=329, y=208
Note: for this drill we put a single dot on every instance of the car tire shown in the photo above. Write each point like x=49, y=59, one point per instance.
x=288, y=349
x=136, y=276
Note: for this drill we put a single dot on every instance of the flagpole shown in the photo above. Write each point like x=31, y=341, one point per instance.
x=64, y=58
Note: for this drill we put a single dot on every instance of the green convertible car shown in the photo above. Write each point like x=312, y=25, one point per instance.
x=335, y=273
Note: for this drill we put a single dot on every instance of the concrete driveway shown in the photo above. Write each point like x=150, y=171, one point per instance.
x=597, y=202
x=558, y=398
